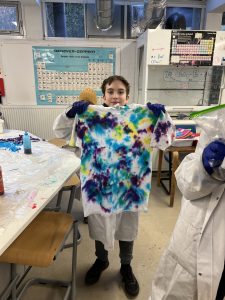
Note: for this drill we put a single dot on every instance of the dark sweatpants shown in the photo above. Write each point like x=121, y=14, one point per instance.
x=126, y=251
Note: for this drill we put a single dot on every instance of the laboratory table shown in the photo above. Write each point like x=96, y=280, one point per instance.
x=31, y=182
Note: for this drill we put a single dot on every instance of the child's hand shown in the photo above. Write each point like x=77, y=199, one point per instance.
x=156, y=108
x=78, y=107
x=213, y=155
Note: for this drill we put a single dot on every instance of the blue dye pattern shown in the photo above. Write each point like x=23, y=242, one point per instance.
x=9, y=146
x=116, y=156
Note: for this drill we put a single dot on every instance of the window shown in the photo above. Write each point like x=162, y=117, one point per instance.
x=116, y=31
x=64, y=19
x=78, y=20
x=136, y=22
x=135, y=15
x=223, y=22
x=10, y=18
x=191, y=16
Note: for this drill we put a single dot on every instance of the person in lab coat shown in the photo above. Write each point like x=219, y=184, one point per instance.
x=192, y=267
x=123, y=226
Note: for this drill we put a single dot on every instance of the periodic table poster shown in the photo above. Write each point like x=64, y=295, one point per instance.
x=61, y=73
x=193, y=48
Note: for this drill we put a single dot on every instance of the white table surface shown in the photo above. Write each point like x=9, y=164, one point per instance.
x=21, y=203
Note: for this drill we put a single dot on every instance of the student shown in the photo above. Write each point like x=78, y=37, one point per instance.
x=192, y=267
x=122, y=226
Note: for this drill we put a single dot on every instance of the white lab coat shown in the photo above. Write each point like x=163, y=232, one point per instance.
x=191, y=267
x=122, y=226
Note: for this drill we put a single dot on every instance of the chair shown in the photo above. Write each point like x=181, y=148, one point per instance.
x=71, y=184
x=174, y=162
x=38, y=246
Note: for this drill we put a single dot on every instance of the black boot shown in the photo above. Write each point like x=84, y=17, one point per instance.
x=94, y=273
x=130, y=282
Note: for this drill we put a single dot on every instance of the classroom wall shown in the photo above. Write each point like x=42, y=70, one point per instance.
x=32, y=15
x=18, y=70
x=215, y=5
x=213, y=21
x=214, y=13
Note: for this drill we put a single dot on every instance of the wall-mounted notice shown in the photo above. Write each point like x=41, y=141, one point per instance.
x=62, y=72
x=219, y=51
x=194, y=48
x=159, y=45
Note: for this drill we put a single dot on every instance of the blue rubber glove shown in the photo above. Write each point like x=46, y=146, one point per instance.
x=213, y=155
x=156, y=108
x=78, y=107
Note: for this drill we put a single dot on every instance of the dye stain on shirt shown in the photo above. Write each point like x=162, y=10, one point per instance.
x=116, y=156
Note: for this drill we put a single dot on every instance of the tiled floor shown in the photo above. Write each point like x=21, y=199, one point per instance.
x=154, y=231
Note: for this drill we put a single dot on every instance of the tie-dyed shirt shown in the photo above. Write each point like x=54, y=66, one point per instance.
x=116, y=145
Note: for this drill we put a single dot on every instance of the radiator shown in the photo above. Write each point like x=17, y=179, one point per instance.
x=37, y=120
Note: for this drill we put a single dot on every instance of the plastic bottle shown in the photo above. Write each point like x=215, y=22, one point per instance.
x=1, y=183
x=26, y=143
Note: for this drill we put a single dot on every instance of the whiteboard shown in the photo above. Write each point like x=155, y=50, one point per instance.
x=159, y=50
x=172, y=77
x=175, y=98
x=17, y=62
x=219, y=50
x=183, y=85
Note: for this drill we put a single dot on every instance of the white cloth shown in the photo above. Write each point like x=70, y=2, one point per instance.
x=116, y=163
x=122, y=226
x=62, y=126
x=191, y=267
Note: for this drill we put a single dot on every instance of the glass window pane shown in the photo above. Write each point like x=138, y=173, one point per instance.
x=192, y=17
x=65, y=19
x=75, y=20
x=135, y=15
x=117, y=25
x=223, y=22
x=50, y=19
x=8, y=18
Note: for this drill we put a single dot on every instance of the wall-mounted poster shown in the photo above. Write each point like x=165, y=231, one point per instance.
x=193, y=48
x=61, y=73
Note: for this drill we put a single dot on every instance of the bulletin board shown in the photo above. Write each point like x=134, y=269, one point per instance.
x=61, y=73
x=194, y=48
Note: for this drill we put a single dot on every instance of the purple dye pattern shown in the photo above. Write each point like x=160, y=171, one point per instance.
x=107, y=121
x=152, y=128
x=81, y=129
x=127, y=129
x=131, y=196
x=96, y=163
x=142, y=131
x=135, y=180
x=137, y=144
x=162, y=129
x=122, y=151
x=106, y=210
x=18, y=140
